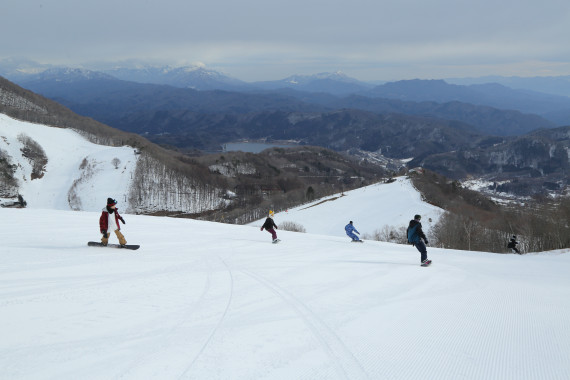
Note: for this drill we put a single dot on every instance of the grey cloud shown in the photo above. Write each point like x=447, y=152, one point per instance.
x=365, y=36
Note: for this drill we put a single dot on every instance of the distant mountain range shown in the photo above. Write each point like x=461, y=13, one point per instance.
x=459, y=130
x=20, y=69
x=15, y=69
x=432, y=133
x=490, y=94
x=556, y=85
x=203, y=79
x=336, y=83
x=118, y=103
x=195, y=77
x=322, y=88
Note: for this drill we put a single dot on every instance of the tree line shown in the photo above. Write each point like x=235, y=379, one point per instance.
x=474, y=222
x=279, y=179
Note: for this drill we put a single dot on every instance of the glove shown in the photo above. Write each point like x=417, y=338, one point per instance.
x=104, y=234
x=261, y=229
x=122, y=220
x=426, y=241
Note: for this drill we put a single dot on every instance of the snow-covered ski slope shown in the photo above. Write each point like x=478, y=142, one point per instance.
x=370, y=208
x=203, y=300
x=79, y=175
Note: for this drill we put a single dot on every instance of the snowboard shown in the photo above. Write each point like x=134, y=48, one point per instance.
x=276, y=241
x=99, y=244
x=357, y=241
x=426, y=264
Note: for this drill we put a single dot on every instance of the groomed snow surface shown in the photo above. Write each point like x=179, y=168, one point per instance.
x=204, y=300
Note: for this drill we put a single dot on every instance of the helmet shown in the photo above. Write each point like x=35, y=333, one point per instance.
x=417, y=217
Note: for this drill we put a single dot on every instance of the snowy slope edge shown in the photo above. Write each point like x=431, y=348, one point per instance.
x=72, y=173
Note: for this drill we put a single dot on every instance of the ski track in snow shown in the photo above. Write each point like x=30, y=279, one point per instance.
x=343, y=360
x=217, y=326
x=152, y=353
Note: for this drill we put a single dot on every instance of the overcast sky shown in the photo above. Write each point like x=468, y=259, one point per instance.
x=267, y=39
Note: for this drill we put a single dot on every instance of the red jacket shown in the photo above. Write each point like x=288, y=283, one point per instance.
x=104, y=220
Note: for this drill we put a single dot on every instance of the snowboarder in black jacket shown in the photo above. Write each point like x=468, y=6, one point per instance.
x=513, y=245
x=269, y=226
x=418, y=239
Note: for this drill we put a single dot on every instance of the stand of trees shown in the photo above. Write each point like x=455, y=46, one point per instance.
x=8, y=184
x=159, y=186
x=35, y=154
x=473, y=222
x=279, y=179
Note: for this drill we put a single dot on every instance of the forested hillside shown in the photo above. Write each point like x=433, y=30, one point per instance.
x=167, y=182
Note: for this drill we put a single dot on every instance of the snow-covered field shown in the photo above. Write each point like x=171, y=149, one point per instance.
x=370, y=208
x=204, y=300
x=73, y=163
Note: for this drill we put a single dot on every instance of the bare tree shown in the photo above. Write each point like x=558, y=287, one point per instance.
x=116, y=162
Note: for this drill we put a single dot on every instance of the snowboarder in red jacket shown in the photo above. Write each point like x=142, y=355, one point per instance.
x=109, y=221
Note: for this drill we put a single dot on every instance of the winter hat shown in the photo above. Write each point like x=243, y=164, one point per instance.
x=271, y=213
x=417, y=217
x=111, y=202
x=350, y=222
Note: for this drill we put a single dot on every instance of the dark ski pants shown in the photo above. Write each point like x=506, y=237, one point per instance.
x=352, y=236
x=272, y=232
x=420, y=246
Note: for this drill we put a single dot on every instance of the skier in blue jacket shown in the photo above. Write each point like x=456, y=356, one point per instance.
x=350, y=230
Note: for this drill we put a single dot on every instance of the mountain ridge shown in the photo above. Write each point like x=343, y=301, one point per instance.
x=190, y=119
x=489, y=94
x=553, y=107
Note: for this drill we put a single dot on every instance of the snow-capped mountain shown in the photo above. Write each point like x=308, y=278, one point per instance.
x=336, y=83
x=69, y=75
x=197, y=77
x=16, y=69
